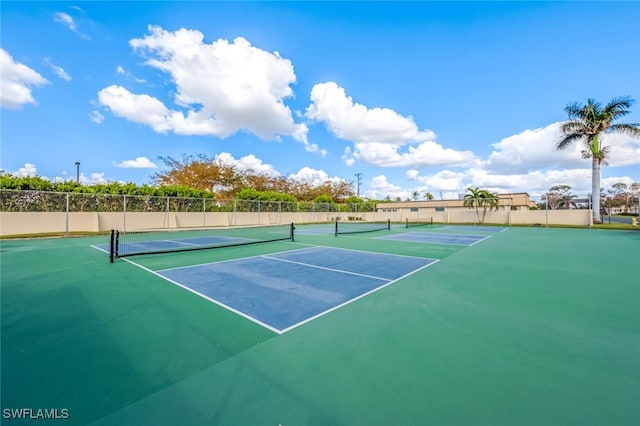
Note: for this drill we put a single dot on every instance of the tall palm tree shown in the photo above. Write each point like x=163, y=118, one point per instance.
x=476, y=198
x=588, y=123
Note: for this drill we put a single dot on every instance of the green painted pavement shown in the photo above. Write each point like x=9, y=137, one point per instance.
x=531, y=326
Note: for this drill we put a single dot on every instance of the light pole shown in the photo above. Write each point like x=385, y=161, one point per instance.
x=77, y=172
x=359, y=182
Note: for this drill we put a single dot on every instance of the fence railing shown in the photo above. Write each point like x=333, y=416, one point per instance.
x=46, y=201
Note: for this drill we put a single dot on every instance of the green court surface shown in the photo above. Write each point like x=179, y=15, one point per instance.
x=531, y=326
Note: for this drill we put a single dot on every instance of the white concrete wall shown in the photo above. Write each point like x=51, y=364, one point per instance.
x=12, y=223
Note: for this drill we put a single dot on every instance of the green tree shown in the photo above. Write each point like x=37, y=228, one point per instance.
x=558, y=197
x=588, y=123
x=428, y=196
x=477, y=198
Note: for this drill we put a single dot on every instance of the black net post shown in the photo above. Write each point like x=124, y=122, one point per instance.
x=292, y=232
x=388, y=224
x=112, y=242
x=336, y=233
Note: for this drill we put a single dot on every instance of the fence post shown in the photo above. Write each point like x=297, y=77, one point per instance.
x=67, y=209
x=124, y=212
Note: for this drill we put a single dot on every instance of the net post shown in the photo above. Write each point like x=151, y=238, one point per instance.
x=292, y=232
x=388, y=224
x=111, y=246
x=336, y=233
x=406, y=222
x=431, y=222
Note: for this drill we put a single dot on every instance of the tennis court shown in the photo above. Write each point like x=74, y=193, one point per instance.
x=437, y=238
x=530, y=326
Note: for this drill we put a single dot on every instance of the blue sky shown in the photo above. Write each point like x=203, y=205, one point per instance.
x=418, y=96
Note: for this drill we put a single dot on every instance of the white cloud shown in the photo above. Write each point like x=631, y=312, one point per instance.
x=248, y=162
x=624, y=150
x=444, y=180
x=93, y=178
x=96, y=117
x=138, y=163
x=534, y=183
x=16, y=80
x=380, y=188
x=314, y=176
x=143, y=109
x=66, y=20
x=59, y=71
x=28, y=170
x=536, y=149
x=378, y=134
x=224, y=87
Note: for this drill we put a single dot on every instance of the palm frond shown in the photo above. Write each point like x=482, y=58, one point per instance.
x=569, y=139
x=618, y=107
x=626, y=129
x=570, y=127
x=573, y=110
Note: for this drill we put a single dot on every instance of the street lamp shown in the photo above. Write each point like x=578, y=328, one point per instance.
x=77, y=172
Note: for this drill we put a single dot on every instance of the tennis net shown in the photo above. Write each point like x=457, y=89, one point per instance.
x=166, y=241
x=357, y=227
x=422, y=222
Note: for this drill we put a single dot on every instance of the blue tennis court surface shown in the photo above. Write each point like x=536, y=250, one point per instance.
x=283, y=290
x=475, y=228
x=435, y=238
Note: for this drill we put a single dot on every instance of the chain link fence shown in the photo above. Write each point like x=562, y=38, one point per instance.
x=46, y=201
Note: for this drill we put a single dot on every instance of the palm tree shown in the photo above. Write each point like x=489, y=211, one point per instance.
x=428, y=196
x=476, y=198
x=415, y=195
x=588, y=123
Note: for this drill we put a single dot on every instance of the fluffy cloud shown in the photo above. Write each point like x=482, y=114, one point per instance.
x=16, y=80
x=29, y=170
x=143, y=109
x=379, y=135
x=625, y=151
x=248, y=162
x=222, y=88
x=535, y=182
x=379, y=188
x=314, y=176
x=536, y=150
x=138, y=163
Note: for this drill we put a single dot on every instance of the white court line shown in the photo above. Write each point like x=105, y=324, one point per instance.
x=325, y=268
x=98, y=248
x=311, y=246
x=474, y=228
x=271, y=328
x=356, y=298
x=479, y=241
x=242, y=314
x=228, y=260
x=391, y=237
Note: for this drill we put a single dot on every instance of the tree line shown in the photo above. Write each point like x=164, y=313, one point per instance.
x=620, y=196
